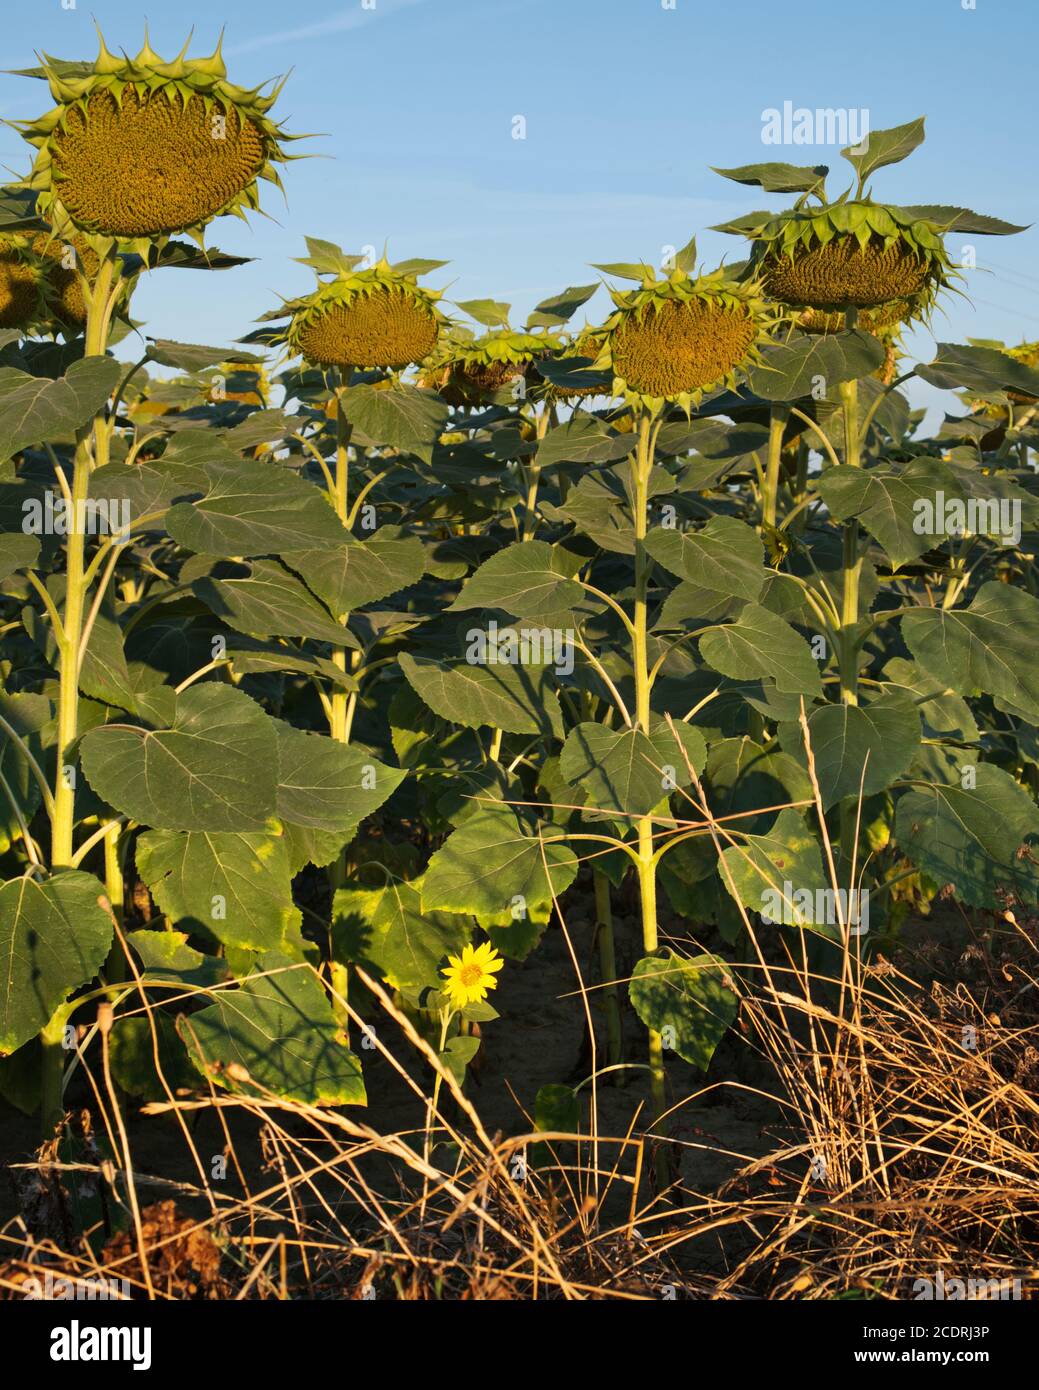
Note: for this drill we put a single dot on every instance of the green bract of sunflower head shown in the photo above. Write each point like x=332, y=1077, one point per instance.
x=850, y=255
x=137, y=149
x=677, y=338
x=469, y=371
x=371, y=318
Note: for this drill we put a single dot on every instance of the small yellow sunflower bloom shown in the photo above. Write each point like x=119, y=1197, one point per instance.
x=471, y=975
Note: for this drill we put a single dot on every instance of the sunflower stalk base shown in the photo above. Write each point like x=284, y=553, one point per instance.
x=647, y=868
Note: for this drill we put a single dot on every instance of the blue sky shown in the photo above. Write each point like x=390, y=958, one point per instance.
x=627, y=104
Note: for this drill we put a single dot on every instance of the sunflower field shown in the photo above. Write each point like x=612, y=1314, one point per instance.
x=497, y=809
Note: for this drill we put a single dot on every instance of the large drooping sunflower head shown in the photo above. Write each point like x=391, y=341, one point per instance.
x=23, y=284
x=849, y=260
x=850, y=255
x=137, y=149
x=377, y=317
x=498, y=364
x=678, y=337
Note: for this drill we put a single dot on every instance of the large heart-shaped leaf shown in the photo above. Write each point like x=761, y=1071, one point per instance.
x=627, y=771
x=268, y=601
x=346, y=577
x=54, y=937
x=253, y=508
x=768, y=871
x=958, y=365
x=37, y=410
x=492, y=863
x=790, y=370
x=871, y=745
x=387, y=927
x=988, y=647
x=560, y=308
x=760, y=645
x=692, y=1003
x=776, y=177
x=213, y=766
x=977, y=837
x=404, y=417
x=147, y=491
x=530, y=579
x=723, y=560
x=280, y=1028
x=194, y=357
x=897, y=505
x=582, y=439
x=237, y=886
x=883, y=147
x=518, y=699
x=953, y=219
x=325, y=790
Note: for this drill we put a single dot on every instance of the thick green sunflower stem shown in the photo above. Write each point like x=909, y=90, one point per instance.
x=115, y=888
x=343, y=703
x=100, y=302
x=778, y=417
x=647, y=869
x=533, y=480
x=848, y=654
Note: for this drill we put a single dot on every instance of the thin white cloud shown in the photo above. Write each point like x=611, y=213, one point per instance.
x=353, y=18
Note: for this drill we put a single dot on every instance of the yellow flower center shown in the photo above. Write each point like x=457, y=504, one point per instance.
x=387, y=328
x=842, y=273
x=471, y=974
x=152, y=164
x=675, y=346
